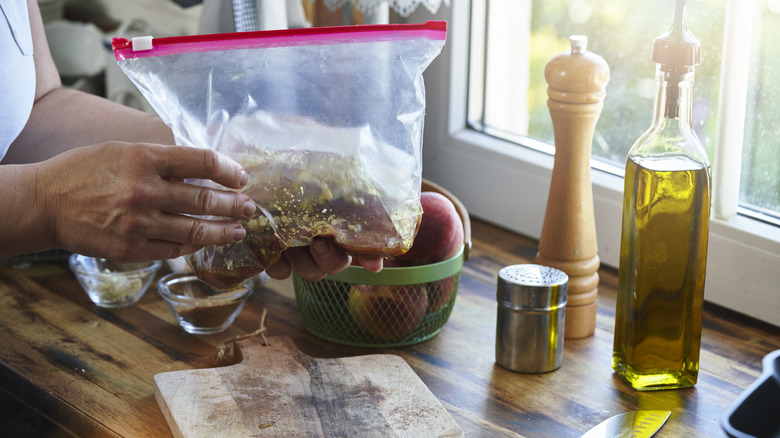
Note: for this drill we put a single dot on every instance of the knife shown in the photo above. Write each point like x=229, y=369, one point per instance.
x=637, y=424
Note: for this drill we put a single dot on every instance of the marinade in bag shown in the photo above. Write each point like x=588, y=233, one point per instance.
x=327, y=122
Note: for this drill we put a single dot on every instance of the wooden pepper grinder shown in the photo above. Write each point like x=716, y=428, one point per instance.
x=577, y=83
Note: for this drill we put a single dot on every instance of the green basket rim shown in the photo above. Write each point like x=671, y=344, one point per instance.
x=401, y=275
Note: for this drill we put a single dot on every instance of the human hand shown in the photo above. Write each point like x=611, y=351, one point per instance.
x=316, y=261
x=128, y=201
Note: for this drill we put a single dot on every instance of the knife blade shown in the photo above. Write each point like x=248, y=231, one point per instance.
x=636, y=424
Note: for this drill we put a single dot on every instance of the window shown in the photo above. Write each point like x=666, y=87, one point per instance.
x=488, y=133
x=760, y=173
x=510, y=105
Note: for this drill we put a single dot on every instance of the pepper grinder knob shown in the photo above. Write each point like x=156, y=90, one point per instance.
x=577, y=81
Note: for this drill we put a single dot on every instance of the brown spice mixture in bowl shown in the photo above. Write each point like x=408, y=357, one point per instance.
x=199, y=308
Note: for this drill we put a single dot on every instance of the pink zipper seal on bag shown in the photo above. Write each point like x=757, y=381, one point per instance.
x=125, y=49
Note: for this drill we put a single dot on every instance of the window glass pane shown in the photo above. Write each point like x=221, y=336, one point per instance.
x=521, y=36
x=760, y=180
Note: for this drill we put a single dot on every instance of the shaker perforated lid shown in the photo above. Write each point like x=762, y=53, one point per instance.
x=677, y=47
x=531, y=287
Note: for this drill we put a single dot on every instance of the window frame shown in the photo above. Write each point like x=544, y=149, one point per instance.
x=507, y=185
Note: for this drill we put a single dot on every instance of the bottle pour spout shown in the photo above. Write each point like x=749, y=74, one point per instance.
x=677, y=47
x=676, y=52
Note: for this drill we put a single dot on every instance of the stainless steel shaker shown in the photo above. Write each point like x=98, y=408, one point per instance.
x=531, y=313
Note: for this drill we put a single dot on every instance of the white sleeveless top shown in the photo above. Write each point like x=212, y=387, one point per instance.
x=17, y=71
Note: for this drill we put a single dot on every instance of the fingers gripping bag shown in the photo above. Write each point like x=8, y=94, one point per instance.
x=327, y=122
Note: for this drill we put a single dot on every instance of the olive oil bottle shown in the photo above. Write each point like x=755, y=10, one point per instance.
x=663, y=248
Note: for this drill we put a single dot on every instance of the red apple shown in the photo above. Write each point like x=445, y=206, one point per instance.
x=440, y=293
x=390, y=262
x=440, y=236
x=393, y=263
x=388, y=312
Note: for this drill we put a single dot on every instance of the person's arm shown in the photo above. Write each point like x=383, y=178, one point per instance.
x=63, y=118
x=118, y=198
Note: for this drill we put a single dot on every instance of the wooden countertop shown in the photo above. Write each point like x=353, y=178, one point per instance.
x=91, y=370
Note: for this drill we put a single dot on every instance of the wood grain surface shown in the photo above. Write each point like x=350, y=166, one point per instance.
x=92, y=370
x=277, y=391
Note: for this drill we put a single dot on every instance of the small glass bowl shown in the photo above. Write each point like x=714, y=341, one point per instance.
x=200, y=308
x=110, y=284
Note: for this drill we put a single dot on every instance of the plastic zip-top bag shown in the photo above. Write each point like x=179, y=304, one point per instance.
x=327, y=122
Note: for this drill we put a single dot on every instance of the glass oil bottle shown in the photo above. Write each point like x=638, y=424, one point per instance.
x=663, y=250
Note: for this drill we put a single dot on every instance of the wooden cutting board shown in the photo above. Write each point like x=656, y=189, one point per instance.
x=278, y=391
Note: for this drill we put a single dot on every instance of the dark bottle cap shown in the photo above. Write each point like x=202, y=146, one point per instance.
x=677, y=47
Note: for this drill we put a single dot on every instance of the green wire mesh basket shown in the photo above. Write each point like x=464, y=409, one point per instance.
x=391, y=308
x=395, y=307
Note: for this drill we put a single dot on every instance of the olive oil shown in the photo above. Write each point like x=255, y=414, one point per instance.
x=663, y=256
x=666, y=214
